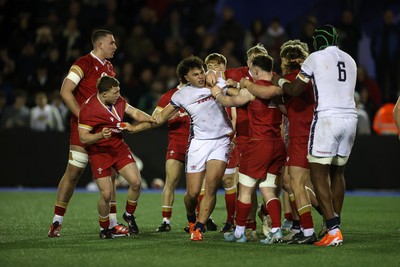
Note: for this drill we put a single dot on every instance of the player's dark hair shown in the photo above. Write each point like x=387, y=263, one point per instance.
x=100, y=34
x=105, y=83
x=264, y=62
x=325, y=36
x=187, y=64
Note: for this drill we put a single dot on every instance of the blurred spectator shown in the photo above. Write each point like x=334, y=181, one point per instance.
x=146, y=77
x=385, y=48
x=230, y=30
x=363, y=124
x=17, y=115
x=3, y=103
x=274, y=38
x=307, y=32
x=127, y=79
x=137, y=46
x=6, y=88
x=44, y=42
x=148, y=101
x=44, y=116
x=349, y=34
x=371, y=95
x=57, y=102
x=40, y=82
x=7, y=64
x=255, y=34
x=384, y=123
x=26, y=64
x=22, y=34
x=71, y=37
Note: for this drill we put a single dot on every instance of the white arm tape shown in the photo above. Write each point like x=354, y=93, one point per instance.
x=73, y=77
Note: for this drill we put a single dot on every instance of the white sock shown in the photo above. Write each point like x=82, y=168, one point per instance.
x=113, y=220
x=239, y=231
x=58, y=218
x=308, y=232
x=166, y=220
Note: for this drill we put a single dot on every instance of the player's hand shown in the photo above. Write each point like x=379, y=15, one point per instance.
x=215, y=90
x=275, y=79
x=106, y=133
x=211, y=78
x=244, y=82
x=232, y=83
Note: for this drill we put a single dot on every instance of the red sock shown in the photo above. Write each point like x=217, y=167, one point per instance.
x=130, y=206
x=166, y=212
x=306, y=217
x=60, y=208
x=242, y=212
x=274, y=210
x=113, y=207
x=230, y=203
x=288, y=216
x=104, y=222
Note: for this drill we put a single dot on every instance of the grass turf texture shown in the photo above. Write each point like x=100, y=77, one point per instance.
x=370, y=226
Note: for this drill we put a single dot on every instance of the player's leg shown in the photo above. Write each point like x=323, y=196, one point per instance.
x=77, y=162
x=268, y=190
x=132, y=175
x=173, y=170
x=298, y=180
x=338, y=188
x=105, y=188
x=214, y=171
x=194, y=181
x=229, y=183
x=247, y=185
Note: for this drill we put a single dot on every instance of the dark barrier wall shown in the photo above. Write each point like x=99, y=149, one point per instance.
x=38, y=159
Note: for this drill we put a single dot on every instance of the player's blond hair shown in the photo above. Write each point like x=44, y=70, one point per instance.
x=293, y=53
x=216, y=57
x=258, y=49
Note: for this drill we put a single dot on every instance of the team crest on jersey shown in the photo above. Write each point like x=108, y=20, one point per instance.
x=112, y=119
x=97, y=68
x=100, y=170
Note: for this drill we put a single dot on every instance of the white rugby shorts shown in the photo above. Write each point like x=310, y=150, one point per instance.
x=200, y=151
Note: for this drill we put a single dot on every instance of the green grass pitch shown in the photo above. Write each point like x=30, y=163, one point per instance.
x=370, y=227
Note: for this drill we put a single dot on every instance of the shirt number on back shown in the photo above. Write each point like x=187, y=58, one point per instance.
x=341, y=71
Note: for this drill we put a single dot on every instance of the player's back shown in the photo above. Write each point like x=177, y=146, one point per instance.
x=334, y=75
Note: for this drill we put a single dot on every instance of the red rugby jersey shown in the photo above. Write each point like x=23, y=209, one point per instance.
x=300, y=109
x=178, y=128
x=265, y=118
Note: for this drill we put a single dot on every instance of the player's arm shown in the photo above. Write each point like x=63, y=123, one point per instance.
x=66, y=92
x=294, y=88
x=396, y=114
x=261, y=91
x=242, y=98
x=167, y=113
x=89, y=138
x=138, y=115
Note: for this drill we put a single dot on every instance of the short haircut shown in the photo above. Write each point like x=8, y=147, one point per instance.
x=258, y=49
x=264, y=62
x=98, y=34
x=105, y=83
x=216, y=57
x=187, y=64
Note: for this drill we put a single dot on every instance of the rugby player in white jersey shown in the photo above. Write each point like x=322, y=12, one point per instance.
x=209, y=143
x=333, y=74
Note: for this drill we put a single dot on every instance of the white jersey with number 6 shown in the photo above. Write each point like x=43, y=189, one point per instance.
x=334, y=76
